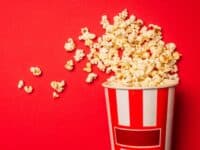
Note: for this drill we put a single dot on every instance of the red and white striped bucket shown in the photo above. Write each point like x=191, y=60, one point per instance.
x=140, y=118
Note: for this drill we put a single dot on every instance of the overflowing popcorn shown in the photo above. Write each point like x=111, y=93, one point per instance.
x=145, y=59
x=133, y=52
x=69, y=65
x=69, y=45
x=79, y=55
x=91, y=77
x=36, y=71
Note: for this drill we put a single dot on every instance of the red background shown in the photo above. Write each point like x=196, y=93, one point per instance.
x=34, y=32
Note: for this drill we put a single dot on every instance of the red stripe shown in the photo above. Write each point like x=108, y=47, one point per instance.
x=113, y=112
x=136, y=111
x=113, y=106
x=162, y=113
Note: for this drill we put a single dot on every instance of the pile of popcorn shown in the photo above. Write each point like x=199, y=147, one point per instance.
x=134, y=52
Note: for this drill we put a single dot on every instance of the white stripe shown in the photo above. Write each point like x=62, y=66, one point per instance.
x=149, y=107
x=123, y=112
x=170, y=113
x=109, y=120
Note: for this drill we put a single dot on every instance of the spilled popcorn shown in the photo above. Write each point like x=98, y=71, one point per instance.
x=58, y=87
x=69, y=65
x=91, y=77
x=79, y=55
x=20, y=84
x=88, y=67
x=28, y=89
x=55, y=95
x=69, y=45
x=36, y=71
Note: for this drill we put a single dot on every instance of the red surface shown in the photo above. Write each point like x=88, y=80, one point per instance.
x=33, y=33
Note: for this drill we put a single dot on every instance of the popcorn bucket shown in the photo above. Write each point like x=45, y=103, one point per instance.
x=140, y=118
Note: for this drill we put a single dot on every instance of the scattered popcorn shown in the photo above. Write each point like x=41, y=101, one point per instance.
x=91, y=77
x=55, y=95
x=69, y=45
x=79, y=55
x=134, y=52
x=88, y=67
x=69, y=65
x=20, y=84
x=28, y=89
x=58, y=86
x=36, y=71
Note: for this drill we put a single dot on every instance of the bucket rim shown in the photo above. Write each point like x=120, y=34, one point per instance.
x=111, y=86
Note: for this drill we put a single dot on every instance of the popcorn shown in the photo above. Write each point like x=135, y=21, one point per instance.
x=88, y=67
x=104, y=22
x=176, y=55
x=86, y=35
x=171, y=46
x=20, y=84
x=36, y=71
x=69, y=45
x=69, y=65
x=91, y=77
x=88, y=42
x=55, y=95
x=79, y=55
x=28, y=89
x=101, y=66
x=134, y=52
x=58, y=86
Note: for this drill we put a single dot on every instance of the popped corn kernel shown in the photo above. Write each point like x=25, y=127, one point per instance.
x=55, y=95
x=86, y=35
x=104, y=21
x=88, y=42
x=58, y=86
x=91, y=77
x=171, y=46
x=176, y=55
x=101, y=66
x=88, y=67
x=36, y=71
x=69, y=65
x=69, y=45
x=20, y=84
x=79, y=55
x=123, y=14
x=28, y=89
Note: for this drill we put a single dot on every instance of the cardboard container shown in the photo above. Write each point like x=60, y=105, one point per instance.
x=140, y=118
